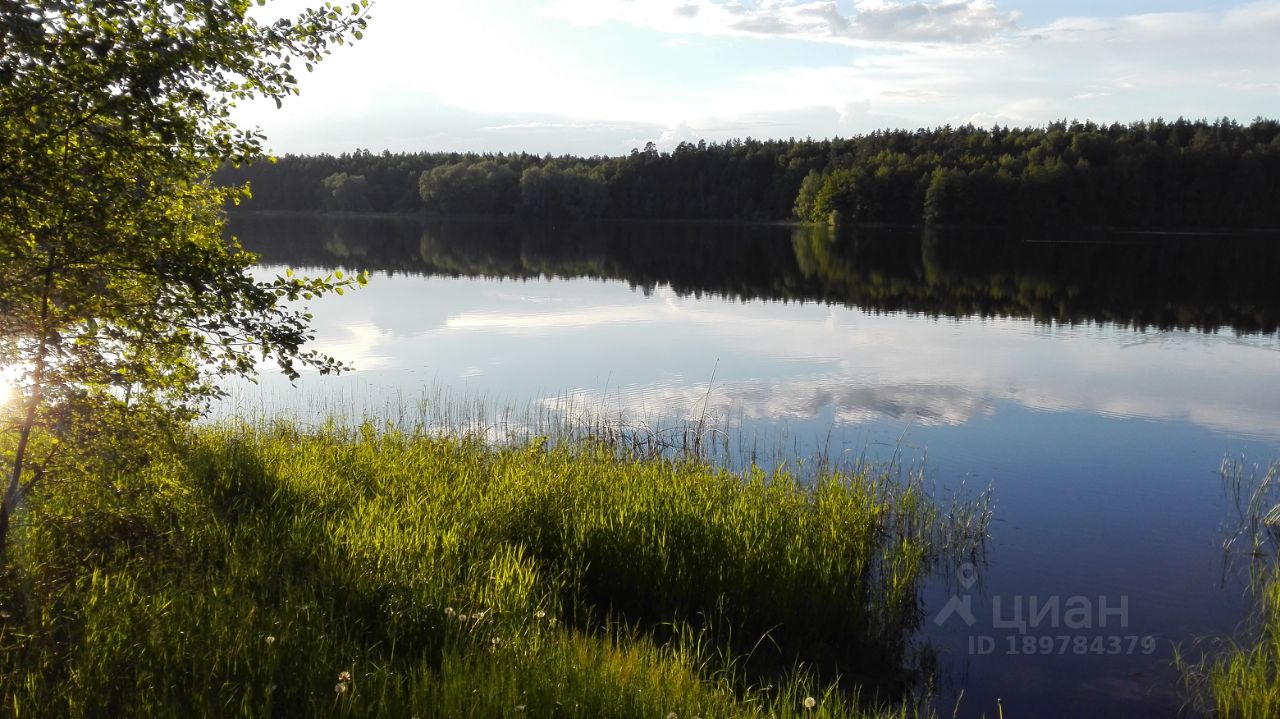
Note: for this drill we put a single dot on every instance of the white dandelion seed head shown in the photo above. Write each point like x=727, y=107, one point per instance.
x=810, y=702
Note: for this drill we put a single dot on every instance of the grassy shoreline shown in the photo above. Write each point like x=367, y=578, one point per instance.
x=276, y=571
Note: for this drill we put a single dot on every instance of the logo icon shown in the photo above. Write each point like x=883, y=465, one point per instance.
x=967, y=576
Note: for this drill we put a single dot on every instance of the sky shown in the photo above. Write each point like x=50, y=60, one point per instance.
x=600, y=77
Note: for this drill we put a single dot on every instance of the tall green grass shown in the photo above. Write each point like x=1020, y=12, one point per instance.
x=1240, y=679
x=362, y=571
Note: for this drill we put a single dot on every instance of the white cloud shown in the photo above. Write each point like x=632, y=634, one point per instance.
x=952, y=21
x=873, y=21
x=907, y=64
x=1121, y=69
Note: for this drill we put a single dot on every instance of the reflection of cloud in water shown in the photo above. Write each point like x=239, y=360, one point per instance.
x=850, y=404
x=924, y=405
x=533, y=323
x=651, y=356
x=853, y=404
x=363, y=345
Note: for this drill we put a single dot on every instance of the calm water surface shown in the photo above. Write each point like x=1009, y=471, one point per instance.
x=1094, y=382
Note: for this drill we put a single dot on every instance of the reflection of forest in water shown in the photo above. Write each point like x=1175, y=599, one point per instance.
x=1151, y=281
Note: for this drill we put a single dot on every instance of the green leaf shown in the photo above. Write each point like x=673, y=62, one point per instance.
x=113, y=115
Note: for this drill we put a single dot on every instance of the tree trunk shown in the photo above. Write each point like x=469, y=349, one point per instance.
x=4, y=533
x=14, y=492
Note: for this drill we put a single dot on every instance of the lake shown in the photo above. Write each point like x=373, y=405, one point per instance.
x=1095, y=382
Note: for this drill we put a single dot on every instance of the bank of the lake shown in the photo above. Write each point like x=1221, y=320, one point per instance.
x=274, y=571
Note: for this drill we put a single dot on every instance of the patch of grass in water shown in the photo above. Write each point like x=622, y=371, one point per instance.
x=363, y=571
x=1240, y=679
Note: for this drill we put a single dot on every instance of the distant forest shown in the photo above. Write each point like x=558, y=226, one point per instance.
x=1147, y=174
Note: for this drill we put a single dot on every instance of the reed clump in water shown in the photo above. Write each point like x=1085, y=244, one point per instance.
x=370, y=571
x=1240, y=679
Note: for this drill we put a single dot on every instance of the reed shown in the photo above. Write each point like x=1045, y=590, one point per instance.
x=1240, y=678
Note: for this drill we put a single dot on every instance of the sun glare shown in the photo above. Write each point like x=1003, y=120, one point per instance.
x=8, y=386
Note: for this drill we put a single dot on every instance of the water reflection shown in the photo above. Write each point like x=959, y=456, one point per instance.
x=1188, y=282
x=608, y=345
x=867, y=362
x=1096, y=386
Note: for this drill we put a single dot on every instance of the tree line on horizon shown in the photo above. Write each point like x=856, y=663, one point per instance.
x=1144, y=174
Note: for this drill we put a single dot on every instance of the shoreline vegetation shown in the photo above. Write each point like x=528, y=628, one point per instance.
x=1239, y=677
x=371, y=571
x=1143, y=175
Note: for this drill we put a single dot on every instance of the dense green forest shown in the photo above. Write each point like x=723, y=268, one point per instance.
x=1145, y=174
x=1207, y=283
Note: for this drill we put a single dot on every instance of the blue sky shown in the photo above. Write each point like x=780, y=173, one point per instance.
x=603, y=76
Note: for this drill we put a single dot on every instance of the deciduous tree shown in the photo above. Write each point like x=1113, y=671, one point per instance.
x=119, y=296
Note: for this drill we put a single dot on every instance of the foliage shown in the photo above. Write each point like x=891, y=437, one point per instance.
x=118, y=295
x=248, y=567
x=472, y=188
x=1049, y=276
x=576, y=192
x=346, y=193
x=1144, y=174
